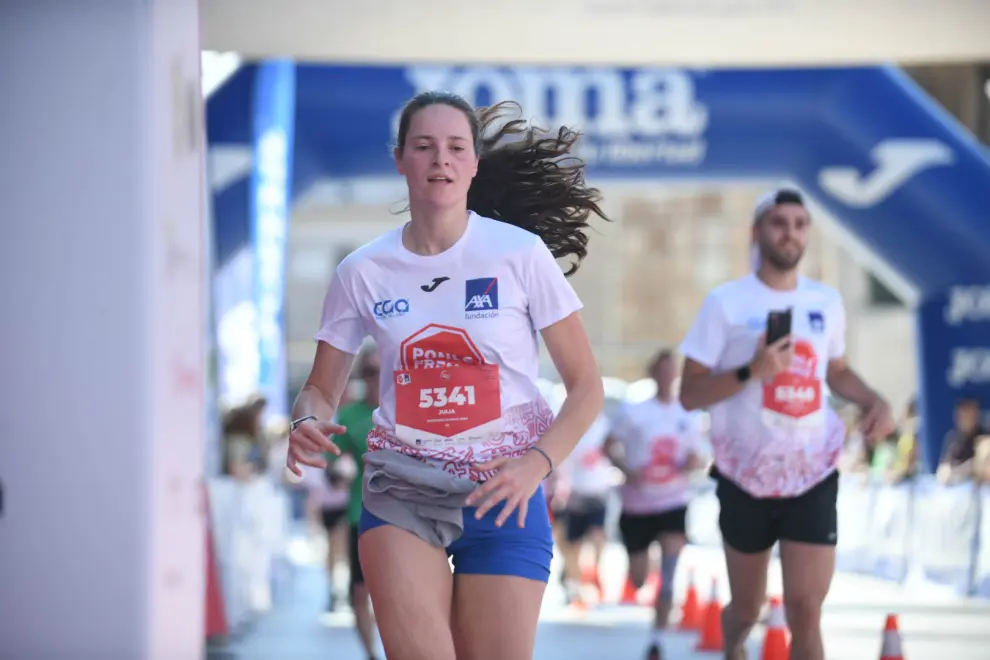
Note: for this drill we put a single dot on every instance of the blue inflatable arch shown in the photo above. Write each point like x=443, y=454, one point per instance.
x=866, y=143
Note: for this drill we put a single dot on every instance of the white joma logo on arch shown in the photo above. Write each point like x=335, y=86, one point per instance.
x=896, y=160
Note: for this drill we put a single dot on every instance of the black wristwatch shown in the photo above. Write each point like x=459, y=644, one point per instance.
x=743, y=373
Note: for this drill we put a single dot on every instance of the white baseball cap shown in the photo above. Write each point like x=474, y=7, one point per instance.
x=774, y=197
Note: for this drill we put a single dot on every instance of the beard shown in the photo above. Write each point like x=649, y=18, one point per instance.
x=780, y=260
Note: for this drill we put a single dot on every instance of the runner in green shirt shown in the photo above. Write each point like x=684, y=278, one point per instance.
x=356, y=418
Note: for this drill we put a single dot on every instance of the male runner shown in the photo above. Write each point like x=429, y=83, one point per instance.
x=656, y=444
x=356, y=418
x=588, y=479
x=776, y=448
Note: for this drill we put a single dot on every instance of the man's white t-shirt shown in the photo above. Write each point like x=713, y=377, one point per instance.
x=773, y=439
x=657, y=439
x=587, y=471
x=457, y=337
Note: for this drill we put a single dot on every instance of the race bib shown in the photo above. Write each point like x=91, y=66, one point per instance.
x=662, y=467
x=591, y=459
x=794, y=397
x=445, y=407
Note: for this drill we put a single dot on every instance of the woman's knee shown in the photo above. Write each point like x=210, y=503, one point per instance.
x=411, y=588
x=486, y=606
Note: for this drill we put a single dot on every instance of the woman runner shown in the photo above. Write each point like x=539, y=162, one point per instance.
x=463, y=439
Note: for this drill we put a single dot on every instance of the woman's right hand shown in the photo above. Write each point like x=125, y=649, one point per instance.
x=309, y=441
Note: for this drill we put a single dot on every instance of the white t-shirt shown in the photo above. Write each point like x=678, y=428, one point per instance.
x=587, y=471
x=657, y=439
x=457, y=338
x=773, y=439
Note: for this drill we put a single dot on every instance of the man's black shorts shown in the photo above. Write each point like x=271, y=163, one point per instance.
x=582, y=516
x=640, y=530
x=357, y=575
x=751, y=524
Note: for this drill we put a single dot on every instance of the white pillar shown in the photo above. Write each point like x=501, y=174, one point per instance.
x=102, y=330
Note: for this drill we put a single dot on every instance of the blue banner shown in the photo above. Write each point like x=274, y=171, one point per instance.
x=954, y=359
x=271, y=185
x=866, y=143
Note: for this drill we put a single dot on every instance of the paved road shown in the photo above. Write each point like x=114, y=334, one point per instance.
x=934, y=624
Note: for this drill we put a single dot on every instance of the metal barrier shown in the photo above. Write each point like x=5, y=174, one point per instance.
x=916, y=532
x=250, y=524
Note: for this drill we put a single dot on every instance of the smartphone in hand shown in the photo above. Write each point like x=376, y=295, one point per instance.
x=778, y=325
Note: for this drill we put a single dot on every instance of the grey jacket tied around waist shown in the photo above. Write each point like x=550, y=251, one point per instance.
x=415, y=496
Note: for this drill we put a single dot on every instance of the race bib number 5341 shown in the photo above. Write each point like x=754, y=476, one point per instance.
x=448, y=406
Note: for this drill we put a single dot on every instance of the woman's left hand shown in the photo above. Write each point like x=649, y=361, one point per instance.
x=516, y=481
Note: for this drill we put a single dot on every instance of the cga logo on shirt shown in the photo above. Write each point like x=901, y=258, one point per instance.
x=481, y=298
x=386, y=309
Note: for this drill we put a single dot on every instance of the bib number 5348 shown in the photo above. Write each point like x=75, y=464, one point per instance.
x=439, y=397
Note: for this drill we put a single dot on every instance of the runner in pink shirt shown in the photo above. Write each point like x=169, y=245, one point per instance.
x=656, y=444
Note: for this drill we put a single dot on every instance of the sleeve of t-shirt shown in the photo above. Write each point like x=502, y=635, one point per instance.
x=837, y=330
x=696, y=439
x=342, y=326
x=551, y=296
x=620, y=424
x=706, y=339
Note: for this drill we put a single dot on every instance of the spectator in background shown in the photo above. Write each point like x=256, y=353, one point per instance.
x=981, y=461
x=856, y=453
x=961, y=443
x=328, y=494
x=244, y=446
x=908, y=461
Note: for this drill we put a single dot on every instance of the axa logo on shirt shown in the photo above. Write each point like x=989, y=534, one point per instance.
x=969, y=366
x=968, y=304
x=481, y=298
x=386, y=309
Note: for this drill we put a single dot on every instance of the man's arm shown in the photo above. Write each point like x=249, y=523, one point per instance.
x=614, y=451
x=846, y=383
x=700, y=387
x=701, y=348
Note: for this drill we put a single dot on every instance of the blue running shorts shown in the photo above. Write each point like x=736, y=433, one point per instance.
x=484, y=549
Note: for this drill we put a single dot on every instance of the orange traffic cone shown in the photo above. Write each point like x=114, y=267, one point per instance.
x=775, y=644
x=691, y=609
x=648, y=594
x=629, y=594
x=588, y=574
x=711, y=631
x=891, y=649
x=216, y=616
x=591, y=578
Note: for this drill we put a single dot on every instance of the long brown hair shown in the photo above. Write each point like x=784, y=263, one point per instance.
x=527, y=176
